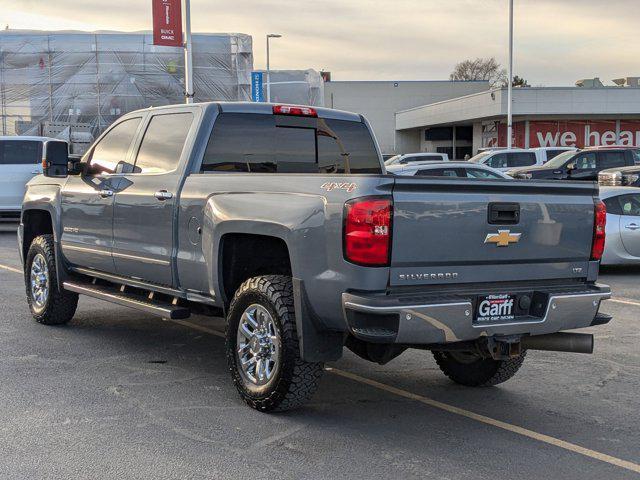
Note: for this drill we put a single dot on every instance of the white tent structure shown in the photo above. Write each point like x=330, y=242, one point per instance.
x=54, y=81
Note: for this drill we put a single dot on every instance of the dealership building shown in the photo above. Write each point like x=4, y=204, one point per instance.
x=557, y=116
x=379, y=101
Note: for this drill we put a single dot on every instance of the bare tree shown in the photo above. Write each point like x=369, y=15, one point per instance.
x=487, y=69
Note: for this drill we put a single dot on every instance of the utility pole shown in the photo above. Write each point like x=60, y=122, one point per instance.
x=510, y=81
x=269, y=36
x=188, y=56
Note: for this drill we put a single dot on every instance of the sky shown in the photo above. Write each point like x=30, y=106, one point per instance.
x=556, y=41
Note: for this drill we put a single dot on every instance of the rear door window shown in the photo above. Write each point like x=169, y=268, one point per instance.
x=613, y=205
x=242, y=142
x=20, y=152
x=630, y=205
x=611, y=159
x=163, y=143
x=521, y=159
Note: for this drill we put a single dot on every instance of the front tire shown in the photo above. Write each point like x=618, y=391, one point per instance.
x=263, y=353
x=474, y=371
x=49, y=304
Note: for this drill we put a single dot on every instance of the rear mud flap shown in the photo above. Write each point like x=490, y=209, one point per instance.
x=316, y=344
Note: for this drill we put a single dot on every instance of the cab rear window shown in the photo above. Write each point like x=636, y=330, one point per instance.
x=20, y=152
x=242, y=142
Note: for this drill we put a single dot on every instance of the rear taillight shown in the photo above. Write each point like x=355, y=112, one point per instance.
x=367, y=231
x=294, y=111
x=599, y=225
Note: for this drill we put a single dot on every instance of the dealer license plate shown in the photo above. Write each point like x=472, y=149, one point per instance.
x=498, y=308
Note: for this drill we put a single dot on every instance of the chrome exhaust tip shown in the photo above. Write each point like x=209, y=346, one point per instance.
x=559, y=342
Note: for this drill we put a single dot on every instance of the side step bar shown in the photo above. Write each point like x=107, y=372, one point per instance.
x=165, y=310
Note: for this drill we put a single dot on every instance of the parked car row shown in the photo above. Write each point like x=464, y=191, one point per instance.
x=583, y=164
x=617, y=185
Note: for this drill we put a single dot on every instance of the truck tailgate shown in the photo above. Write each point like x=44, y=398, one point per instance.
x=466, y=231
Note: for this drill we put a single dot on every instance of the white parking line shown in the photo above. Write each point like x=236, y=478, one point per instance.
x=200, y=328
x=572, y=447
x=624, y=301
x=10, y=269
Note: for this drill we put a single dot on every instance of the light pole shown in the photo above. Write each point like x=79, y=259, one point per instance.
x=510, y=80
x=188, y=57
x=269, y=36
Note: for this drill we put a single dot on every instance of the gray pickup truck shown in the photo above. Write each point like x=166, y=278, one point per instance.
x=283, y=220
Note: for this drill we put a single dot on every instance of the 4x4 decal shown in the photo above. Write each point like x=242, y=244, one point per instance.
x=347, y=186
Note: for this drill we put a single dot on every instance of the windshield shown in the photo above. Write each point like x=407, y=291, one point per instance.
x=393, y=160
x=561, y=159
x=480, y=158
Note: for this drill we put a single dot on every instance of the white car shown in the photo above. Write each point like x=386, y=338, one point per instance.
x=504, y=160
x=448, y=169
x=622, y=245
x=20, y=161
x=417, y=158
x=544, y=154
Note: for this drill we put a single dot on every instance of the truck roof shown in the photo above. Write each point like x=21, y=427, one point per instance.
x=261, y=108
x=31, y=138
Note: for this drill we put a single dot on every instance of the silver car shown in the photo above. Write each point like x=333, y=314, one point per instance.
x=448, y=169
x=623, y=225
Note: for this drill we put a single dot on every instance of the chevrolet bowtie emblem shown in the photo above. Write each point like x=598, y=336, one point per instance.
x=503, y=238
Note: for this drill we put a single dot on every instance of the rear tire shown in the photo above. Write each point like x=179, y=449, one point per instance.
x=261, y=327
x=49, y=304
x=474, y=371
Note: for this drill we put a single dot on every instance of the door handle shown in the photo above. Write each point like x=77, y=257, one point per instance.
x=632, y=226
x=163, y=195
x=35, y=172
x=106, y=193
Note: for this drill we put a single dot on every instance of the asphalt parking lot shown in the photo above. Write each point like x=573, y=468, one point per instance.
x=119, y=394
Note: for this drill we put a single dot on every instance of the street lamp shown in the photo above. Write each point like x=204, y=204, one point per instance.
x=188, y=55
x=510, y=80
x=269, y=36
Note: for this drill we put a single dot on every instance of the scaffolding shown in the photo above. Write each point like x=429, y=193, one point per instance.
x=84, y=81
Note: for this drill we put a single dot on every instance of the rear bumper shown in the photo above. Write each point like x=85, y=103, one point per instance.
x=426, y=321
